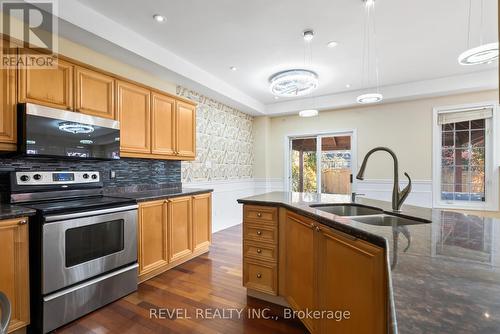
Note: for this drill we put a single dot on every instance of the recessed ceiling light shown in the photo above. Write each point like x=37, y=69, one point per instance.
x=308, y=35
x=332, y=44
x=159, y=18
x=308, y=113
x=276, y=97
x=483, y=54
x=233, y=68
x=347, y=86
x=369, y=98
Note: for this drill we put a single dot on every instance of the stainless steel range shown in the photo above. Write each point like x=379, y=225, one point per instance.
x=83, y=245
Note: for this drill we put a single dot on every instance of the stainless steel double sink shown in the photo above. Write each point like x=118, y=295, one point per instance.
x=366, y=214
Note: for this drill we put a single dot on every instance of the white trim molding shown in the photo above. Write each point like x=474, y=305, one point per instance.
x=491, y=164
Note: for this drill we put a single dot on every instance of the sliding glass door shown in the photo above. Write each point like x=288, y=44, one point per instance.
x=321, y=163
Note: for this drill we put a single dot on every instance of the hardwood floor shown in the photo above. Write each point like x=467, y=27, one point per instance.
x=209, y=283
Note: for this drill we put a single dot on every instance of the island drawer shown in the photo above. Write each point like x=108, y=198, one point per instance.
x=261, y=214
x=260, y=276
x=260, y=251
x=260, y=233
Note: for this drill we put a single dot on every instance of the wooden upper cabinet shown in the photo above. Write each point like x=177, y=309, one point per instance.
x=351, y=278
x=8, y=109
x=94, y=93
x=202, y=221
x=300, y=284
x=162, y=124
x=14, y=272
x=49, y=87
x=133, y=106
x=186, y=130
x=179, y=228
x=153, y=241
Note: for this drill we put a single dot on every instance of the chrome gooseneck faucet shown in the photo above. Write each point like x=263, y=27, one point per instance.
x=398, y=196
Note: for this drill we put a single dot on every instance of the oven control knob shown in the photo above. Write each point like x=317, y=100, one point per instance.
x=85, y=176
x=24, y=178
x=94, y=176
x=37, y=177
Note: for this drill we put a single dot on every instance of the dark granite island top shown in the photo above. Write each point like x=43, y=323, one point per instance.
x=447, y=281
x=156, y=194
x=8, y=211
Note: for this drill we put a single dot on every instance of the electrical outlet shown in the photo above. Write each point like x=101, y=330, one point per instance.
x=112, y=174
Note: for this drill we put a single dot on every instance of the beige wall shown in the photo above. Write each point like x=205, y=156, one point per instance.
x=405, y=127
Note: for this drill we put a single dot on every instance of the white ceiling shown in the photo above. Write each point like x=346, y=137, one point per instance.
x=417, y=41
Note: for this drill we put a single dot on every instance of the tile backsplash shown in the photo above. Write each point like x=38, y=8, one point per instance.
x=129, y=172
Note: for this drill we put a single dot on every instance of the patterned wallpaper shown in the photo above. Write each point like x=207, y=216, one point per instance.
x=224, y=142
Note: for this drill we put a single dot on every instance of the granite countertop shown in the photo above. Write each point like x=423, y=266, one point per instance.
x=156, y=194
x=448, y=278
x=8, y=211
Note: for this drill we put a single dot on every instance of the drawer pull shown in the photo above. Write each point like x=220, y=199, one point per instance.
x=259, y=214
x=259, y=250
x=259, y=232
x=23, y=222
x=318, y=229
x=259, y=275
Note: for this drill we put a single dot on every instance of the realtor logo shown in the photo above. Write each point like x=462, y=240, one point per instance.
x=30, y=33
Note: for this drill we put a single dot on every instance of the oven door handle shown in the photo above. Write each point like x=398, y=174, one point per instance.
x=90, y=213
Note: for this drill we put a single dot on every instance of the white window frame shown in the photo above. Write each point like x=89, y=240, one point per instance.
x=354, y=149
x=491, y=166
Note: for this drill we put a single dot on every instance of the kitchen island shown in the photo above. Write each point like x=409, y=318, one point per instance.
x=442, y=273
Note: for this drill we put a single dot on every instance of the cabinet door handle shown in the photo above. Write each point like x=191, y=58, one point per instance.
x=259, y=214
x=259, y=275
x=259, y=250
x=23, y=222
x=259, y=232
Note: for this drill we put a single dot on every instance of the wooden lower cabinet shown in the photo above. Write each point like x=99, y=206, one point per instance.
x=318, y=268
x=202, y=221
x=172, y=231
x=14, y=274
x=153, y=240
x=351, y=278
x=180, y=228
x=300, y=277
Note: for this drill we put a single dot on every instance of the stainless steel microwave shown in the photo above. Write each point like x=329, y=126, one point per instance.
x=50, y=132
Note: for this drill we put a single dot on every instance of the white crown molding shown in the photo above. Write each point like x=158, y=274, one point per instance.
x=472, y=82
x=101, y=26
